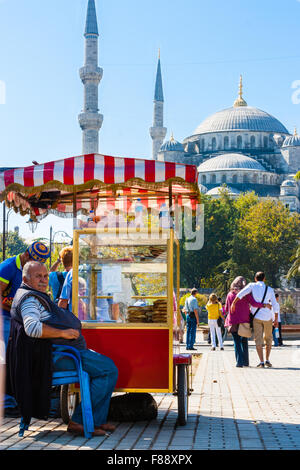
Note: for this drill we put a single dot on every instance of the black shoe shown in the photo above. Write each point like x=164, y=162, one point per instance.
x=238, y=366
x=191, y=349
x=12, y=413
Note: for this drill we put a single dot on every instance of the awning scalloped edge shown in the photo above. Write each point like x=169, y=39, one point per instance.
x=100, y=185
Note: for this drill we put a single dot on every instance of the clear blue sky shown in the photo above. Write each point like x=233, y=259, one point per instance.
x=205, y=45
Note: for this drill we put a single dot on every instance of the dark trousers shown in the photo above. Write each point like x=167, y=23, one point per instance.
x=277, y=341
x=191, y=328
x=241, y=350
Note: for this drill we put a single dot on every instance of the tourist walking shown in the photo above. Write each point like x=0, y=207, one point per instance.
x=192, y=319
x=214, y=309
x=262, y=317
x=241, y=315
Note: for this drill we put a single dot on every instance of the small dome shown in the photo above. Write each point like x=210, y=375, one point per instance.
x=230, y=161
x=292, y=140
x=172, y=145
x=216, y=191
x=289, y=183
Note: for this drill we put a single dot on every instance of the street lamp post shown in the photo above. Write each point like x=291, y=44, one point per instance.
x=52, y=237
x=4, y=230
x=226, y=276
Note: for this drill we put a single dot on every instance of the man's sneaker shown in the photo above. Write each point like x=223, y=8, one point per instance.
x=221, y=349
x=261, y=365
x=268, y=364
x=213, y=349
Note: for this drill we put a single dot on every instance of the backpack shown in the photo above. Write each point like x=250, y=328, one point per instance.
x=61, y=280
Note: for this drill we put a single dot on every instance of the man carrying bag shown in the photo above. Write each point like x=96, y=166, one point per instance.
x=262, y=317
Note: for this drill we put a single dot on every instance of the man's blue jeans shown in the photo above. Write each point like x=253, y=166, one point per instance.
x=9, y=402
x=241, y=350
x=191, y=327
x=103, y=378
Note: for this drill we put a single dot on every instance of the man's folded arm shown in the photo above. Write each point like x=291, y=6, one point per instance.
x=31, y=314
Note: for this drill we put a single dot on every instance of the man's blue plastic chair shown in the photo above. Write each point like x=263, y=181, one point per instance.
x=70, y=377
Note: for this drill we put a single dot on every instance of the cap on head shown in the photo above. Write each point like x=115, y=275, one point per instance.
x=39, y=252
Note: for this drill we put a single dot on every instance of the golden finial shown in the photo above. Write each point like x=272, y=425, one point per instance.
x=240, y=100
x=159, y=53
x=295, y=132
x=172, y=137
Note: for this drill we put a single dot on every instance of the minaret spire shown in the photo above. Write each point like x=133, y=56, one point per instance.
x=90, y=120
x=240, y=100
x=158, y=131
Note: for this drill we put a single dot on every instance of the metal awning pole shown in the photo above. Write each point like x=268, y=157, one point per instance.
x=3, y=232
x=74, y=210
x=171, y=212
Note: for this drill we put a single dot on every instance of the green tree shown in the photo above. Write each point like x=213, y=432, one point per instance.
x=14, y=245
x=220, y=216
x=266, y=238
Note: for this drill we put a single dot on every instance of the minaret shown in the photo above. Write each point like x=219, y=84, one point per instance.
x=90, y=120
x=158, y=131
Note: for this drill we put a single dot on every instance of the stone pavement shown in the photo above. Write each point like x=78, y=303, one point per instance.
x=230, y=408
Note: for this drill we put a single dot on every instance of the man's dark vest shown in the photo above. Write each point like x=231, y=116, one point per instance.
x=55, y=317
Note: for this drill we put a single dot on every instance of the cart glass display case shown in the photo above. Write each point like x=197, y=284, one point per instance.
x=123, y=292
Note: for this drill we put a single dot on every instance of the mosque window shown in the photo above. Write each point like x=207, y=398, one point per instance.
x=265, y=142
x=226, y=143
x=255, y=178
x=252, y=142
x=234, y=179
x=202, y=145
x=223, y=179
x=203, y=179
x=264, y=179
x=213, y=179
x=214, y=143
x=245, y=178
x=239, y=142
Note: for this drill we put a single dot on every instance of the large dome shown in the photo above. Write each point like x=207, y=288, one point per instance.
x=230, y=161
x=241, y=118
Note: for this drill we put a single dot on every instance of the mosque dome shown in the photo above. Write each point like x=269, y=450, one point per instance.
x=289, y=183
x=230, y=161
x=241, y=117
x=172, y=145
x=216, y=191
x=245, y=118
x=292, y=140
x=288, y=188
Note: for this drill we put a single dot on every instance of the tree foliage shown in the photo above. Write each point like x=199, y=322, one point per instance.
x=243, y=235
x=14, y=245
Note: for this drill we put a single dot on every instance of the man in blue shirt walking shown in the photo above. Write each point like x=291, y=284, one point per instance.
x=192, y=319
x=10, y=281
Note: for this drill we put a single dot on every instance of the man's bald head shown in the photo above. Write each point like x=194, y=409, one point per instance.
x=35, y=275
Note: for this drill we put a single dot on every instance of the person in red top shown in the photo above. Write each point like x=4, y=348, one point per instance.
x=240, y=315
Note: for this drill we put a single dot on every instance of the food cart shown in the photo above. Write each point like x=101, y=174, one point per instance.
x=126, y=271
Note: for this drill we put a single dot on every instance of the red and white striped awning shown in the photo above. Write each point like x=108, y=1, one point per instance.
x=100, y=182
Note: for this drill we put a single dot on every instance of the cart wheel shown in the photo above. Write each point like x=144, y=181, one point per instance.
x=182, y=393
x=68, y=402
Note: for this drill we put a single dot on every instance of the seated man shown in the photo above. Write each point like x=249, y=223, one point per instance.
x=43, y=319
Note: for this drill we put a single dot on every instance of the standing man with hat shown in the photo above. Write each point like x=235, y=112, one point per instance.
x=10, y=281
